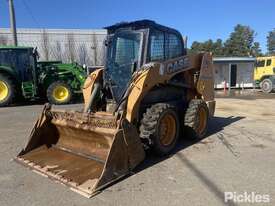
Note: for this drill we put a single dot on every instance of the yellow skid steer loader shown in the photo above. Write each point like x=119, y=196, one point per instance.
x=148, y=91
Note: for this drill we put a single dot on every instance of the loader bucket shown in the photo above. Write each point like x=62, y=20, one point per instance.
x=86, y=152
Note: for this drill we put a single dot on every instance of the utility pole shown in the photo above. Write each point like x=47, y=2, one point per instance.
x=12, y=22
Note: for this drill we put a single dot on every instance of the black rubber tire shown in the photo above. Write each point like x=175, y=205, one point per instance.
x=50, y=92
x=266, y=86
x=150, y=125
x=11, y=90
x=191, y=119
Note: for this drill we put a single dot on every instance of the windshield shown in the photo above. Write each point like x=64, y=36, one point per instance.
x=126, y=49
x=123, y=54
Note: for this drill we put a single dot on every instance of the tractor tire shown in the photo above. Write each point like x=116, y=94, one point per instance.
x=160, y=125
x=266, y=86
x=59, y=93
x=7, y=90
x=196, y=119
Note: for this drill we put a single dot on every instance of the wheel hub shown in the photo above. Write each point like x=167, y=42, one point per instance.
x=60, y=93
x=4, y=90
x=202, y=120
x=265, y=86
x=167, y=129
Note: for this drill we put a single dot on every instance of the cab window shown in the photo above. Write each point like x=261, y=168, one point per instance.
x=127, y=48
x=174, y=46
x=19, y=59
x=268, y=62
x=260, y=63
x=156, y=48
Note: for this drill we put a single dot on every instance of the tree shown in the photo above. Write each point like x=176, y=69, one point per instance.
x=218, y=49
x=256, y=50
x=208, y=46
x=271, y=42
x=196, y=47
x=240, y=42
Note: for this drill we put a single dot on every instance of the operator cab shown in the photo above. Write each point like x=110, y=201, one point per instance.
x=21, y=59
x=131, y=45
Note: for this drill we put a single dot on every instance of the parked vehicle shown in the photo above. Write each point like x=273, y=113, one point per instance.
x=21, y=75
x=264, y=73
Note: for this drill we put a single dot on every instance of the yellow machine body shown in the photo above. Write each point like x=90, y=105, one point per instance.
x=88, y=151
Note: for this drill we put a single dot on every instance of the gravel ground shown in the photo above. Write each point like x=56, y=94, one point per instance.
x=237, y=155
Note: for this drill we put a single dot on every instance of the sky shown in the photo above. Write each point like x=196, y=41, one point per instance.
x=200, y=20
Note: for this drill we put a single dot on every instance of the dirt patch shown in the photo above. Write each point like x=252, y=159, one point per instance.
x=261, y=146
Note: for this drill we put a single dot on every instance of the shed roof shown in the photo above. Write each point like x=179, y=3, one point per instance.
x=233, y=59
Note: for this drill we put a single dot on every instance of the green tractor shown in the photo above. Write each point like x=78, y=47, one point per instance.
x=21, y=75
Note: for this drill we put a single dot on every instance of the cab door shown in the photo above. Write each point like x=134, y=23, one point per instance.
x=124, y=57
x=259, y=69
x=25, y=68
x=269, y=67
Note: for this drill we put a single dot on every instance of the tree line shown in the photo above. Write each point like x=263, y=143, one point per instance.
x=241, y=42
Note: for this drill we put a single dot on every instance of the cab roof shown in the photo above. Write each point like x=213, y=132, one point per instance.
x=265, y=57
x=140, y=24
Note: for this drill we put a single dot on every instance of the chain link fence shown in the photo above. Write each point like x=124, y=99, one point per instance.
x=81, y=46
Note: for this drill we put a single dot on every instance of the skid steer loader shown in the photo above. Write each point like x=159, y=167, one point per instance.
x=147, y=93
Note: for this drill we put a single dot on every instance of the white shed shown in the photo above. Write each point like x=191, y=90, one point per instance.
x=235, y=72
